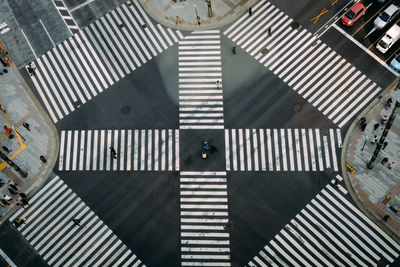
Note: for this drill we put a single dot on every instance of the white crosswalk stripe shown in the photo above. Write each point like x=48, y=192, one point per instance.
x=98, y=56
x=275, y=149
x=204, y=219
x=137, y=150
x=49, y=229
x=316, y=72
x=330, y=231
x=200, y=81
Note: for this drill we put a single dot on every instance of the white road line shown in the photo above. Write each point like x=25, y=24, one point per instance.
x=170, y=148
x=88, y=149
x=75, y=150
x=298, y=151
x=365, y=49
x=95, y=146
x=326, y=149
x=312, y=149
x=277, y=153
x=61, y=155
x=241, y=147
x=30, y=46
x=255, y=145
x=227, y=150
x=234, y=150
x=163, y=149
x=269, y=148
x=142, y=150
x=122, y=152
x=248, y=149
x=136, y=150
x=319, y=150
x=156, y=149
x=291, y=152
x=129, y=151
x=333, y=149
x=283, y=146
x=149, y=149
x=305, y=151
x=82, y=149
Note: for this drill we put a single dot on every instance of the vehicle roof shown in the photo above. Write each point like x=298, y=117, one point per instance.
x=391, y=9
x=357, y=7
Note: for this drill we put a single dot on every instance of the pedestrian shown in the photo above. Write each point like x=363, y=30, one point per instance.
x=43, y=159
x=204, y=155
x=178, y=20
x=391, y=165
x=250, y=11
x=384, y=119
x=26, y=125
x=198, y=20
x=206, y=146
x=76, y=221
x=2, y=108
x=388, y=103
x=384, y=160
x=234, y=49
x=363, y=126
x=336, y=182
x=219, y=84
x=384, y=145
x=376, y=126
x=19, y=221
x=210, y=13
x=362, y=120
x=113, y=153
x=374, y=140
x=269, y=31
x=6, y=149
x=8, y=130
x=386, y=217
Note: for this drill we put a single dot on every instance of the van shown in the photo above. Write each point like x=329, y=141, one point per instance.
x=390, y=37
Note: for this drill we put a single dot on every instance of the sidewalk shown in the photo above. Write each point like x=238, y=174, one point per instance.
x=224, y=12
x=377, y=190
x=26, y=146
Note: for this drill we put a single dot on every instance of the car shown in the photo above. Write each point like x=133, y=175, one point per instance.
x=395, y=63
x=353, y=14
x=386, y=16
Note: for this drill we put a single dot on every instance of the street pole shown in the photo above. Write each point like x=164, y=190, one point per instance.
x=370, y=165
x=366, y=139
x=195, y=10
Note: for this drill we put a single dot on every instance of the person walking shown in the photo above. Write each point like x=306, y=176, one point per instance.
x=113, y=153
x=178, y=20
x=8, y=130
x=391, y=165
x=198, y=20
x=376, y=126
x=384, y=160
x=250, y=11
x=269, y=31
x=384, y=119
x=384, y=145
x=363, y=126
x=374, y=140
x=43, y=159
x=234, y=49
x=76, y=221
x=219, y=84
x=26, y=125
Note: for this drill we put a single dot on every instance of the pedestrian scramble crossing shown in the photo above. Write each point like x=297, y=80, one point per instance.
x=330, y=231
x=204, y=219
x=137, y=150
x=301, y=60
x=96, y=57
x=282, y=149
x=200, y=81
x=50, y=231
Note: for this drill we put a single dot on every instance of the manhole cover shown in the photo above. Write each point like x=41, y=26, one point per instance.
x=125, y=110
x=295, y=25
x=297, y=107
x=324, y=130
x=264, y=51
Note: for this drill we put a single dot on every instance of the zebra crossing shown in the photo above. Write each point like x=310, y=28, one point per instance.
x=308, y=66
x=95, y=58
x=200, y=81
x=66, y=16
x=204, y=219
x=50, y=231
x=137, y=150
x=281, y=149
x=330, y=231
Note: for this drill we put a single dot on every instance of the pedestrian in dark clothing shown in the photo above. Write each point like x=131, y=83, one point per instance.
x=6, y=149
x=234, y=49
x=388, y=103
x=384, y=119
x=250, y=11
x=386, y=217
x=363, y=126
x=384, y=160
x=375, y=139
x=76, y=221
x=376, y=126
x=14, y=187
x=198, y=20
x=26, y=125
x=113, y=153
x=2, y=108
x=43, y=159
x=384, y=145
x=8, y=130
x=362, y=120
x=269, y=31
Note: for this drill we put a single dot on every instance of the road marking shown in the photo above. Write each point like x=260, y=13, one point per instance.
x=29, y=44
x=51, y=40
x=365, y=49
x=81, y=5
x=8, y=260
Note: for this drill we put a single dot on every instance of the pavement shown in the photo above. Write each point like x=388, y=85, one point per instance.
x=25, y=147
x=376, y=191
x=223, y=12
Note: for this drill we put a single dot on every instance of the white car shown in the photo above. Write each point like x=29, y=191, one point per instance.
x=386, y=16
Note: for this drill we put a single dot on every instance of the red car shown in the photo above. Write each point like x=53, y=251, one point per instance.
x=353, y=14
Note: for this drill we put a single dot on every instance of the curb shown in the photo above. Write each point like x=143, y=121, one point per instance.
x=349, y=185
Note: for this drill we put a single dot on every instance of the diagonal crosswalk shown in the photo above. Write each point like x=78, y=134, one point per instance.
x=95, y=58
x=200, y=97
x=330, y=231
x=137, y=150
x=204, y=219
x=50, y=231
x=308, y=66
x=281, y=149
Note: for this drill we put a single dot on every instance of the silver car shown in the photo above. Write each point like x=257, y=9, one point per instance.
x=386, y=16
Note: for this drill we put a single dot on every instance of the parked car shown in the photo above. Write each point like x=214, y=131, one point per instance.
x=395, y=63
x=390, y=37
x=353, y=14
x=386, y=16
